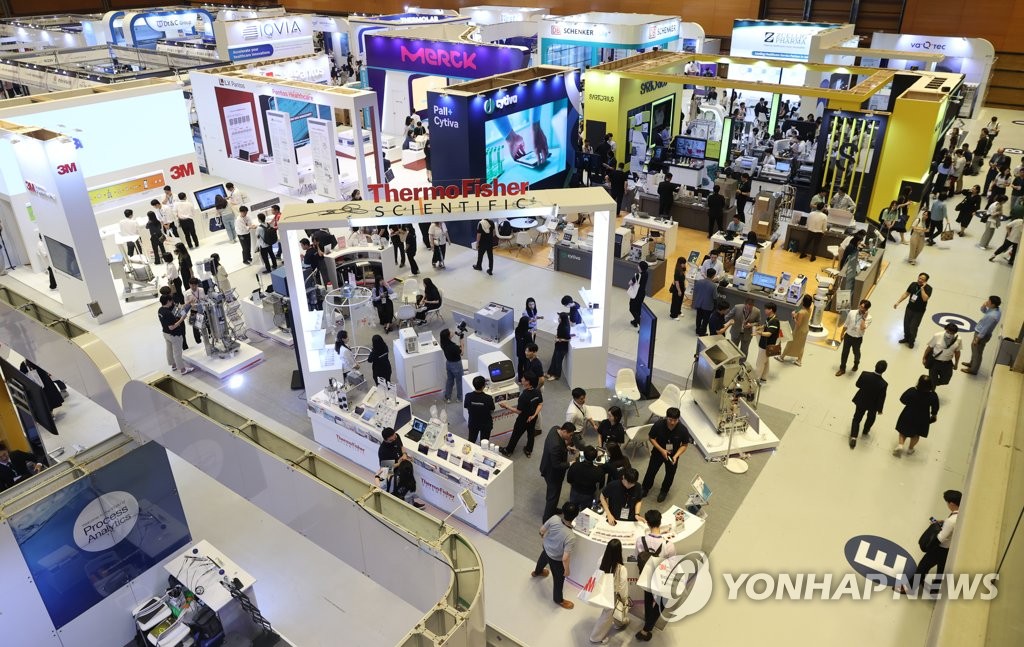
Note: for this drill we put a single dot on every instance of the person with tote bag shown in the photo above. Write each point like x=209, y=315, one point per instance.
x=637, y=291
x=613, y=571
x=651, y=549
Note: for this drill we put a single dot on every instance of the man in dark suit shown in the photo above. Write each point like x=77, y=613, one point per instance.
x=666, y=193
x=554, y=463
x=15, y=466
x=869, y=399
x=703, y=301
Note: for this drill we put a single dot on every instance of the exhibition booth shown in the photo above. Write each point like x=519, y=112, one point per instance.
x=867, y=153
x=360, y=26
x=587, y=39
x=471, y=123
x=65, y=69
x=289, y=137
x=67, y=153
x=145, y=27
x=57, y=31
x=248, y=39
x=404, y=66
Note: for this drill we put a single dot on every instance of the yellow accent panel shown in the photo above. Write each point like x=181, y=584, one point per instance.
x=10, y=424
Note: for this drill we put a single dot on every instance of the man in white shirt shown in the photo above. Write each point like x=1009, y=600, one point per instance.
x=166, y=215
x=840, y=200
x=578, y=413
x=936, y=554
x=712, y=262
x=129, y=228
x=1012, y=241
x=942, y=354
x=235, y=197
x=817, y=223
x=185, y=211
x=857, y=322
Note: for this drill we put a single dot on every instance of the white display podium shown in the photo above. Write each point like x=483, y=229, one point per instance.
x=590, y=545
x=261, y=321
x=371, y=254
x=245, y=357
x=714, y=445
x=439, y=481
x=420, y=373
x=477, y=346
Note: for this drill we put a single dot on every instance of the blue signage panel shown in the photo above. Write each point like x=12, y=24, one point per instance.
x=89, y=539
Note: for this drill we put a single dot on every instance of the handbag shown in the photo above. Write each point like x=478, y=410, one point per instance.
x=216, y=224
x=947, y=232
x=620, y=614
x=930, y=536
x=634, y=287
x=599, y=591
x=771, y=350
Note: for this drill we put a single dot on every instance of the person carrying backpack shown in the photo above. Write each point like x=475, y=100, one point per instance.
x=653, y=544
x=266, y=236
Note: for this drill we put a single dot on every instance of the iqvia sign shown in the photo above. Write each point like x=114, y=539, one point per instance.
x=269, y=30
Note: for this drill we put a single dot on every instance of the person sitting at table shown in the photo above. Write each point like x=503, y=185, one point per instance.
x=382, y=296
x=735, y=225
x=621, y=500
x=427, y=302
x=611, y=431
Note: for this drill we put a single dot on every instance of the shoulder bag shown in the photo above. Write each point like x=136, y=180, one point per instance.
x=930, y=536
x=947, y=231
x=634, y=287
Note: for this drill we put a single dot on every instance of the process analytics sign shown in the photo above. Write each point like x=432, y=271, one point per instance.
x=89, y=539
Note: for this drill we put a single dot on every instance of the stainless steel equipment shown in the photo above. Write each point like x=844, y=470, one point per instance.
x=209, y=315
x=719, y=379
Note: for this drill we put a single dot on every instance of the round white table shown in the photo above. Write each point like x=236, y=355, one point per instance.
x=523, y=223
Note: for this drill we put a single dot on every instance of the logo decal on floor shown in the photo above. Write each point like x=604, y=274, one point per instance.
x=964, y=323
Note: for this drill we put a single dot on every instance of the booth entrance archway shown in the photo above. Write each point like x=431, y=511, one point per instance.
x=588, y=357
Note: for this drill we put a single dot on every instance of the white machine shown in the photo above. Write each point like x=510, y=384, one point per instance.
x=500, y=373
x=570, y=235
x=782, y=287
x=410, y=340
x=796, y=290
x=623, y=241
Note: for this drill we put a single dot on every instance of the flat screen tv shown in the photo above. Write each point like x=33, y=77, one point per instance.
x=205, y=197
x=62, y=258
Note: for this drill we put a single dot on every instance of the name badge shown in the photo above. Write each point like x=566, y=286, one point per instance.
x=913, y=298
x=624, y=513
x=668, y=447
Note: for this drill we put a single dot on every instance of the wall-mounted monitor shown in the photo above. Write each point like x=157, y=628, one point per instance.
x=63, y=258
x=205, y=197
x=691, y=147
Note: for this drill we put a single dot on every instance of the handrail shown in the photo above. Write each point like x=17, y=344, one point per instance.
x=450, y=617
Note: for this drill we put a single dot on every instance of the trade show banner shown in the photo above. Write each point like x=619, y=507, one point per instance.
x=322, y=137
x=89, y=539
x=279, y=132
x=776, y=39
x=264, y=38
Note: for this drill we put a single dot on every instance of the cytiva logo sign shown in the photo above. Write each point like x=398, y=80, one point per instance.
x=439, y=58
x=492, y=104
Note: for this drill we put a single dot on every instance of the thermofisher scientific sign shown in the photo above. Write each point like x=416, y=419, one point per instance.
x=776, y=39
x=87, y=540
x=279, y=37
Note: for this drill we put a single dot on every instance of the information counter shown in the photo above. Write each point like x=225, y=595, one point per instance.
x=440, y=478
x=691, y=213
x=799, y=233
x=382, y=260
x=736, y=296
x=573, y=260
x=665, y=227
x=593, y=532
x=422, y=372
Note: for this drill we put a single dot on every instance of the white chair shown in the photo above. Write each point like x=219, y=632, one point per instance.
x=524, y=240
x=436, y=312
x=834, y=251
x=632, y=433
x=410, y=288
x=504, y=239
x=406, y=314
x=542, y=231
x=625, y=387
x=669, y=398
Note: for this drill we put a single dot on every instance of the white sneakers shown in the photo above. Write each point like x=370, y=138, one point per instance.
x=897, y=451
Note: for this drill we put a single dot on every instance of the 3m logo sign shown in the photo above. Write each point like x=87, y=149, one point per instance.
x=64, y=169
x=182, y=170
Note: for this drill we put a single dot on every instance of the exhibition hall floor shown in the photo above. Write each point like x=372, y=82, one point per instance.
x=810, y=497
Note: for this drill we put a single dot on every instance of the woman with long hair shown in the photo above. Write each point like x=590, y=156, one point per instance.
x=563, y=335
x=381, y=296
x=226, y=215
x=918, y=231
x=378, y=359
x=524, y=337
x=920, y=410
x=348, y=358
x=612, y=564
x=184, y=263
x=617, y=461
x=428, y=301
x=220, y=275
x=639, y=282
x=677, y=289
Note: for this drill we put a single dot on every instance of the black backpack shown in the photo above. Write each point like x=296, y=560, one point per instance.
x=269, y=235
x=646, y=554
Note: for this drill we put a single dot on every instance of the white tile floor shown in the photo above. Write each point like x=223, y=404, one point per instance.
x=812, y=496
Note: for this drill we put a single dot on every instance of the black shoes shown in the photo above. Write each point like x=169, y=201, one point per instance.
x=662, y=496
x=853, y=442
x=505, y=453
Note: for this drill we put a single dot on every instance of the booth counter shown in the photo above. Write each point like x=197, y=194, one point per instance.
x=798, y=234
x=440, y=476
x=687, y=212
x=382, y=259
x=735, y=296
x=574, y=260
x=593, y=532
x=421, y=372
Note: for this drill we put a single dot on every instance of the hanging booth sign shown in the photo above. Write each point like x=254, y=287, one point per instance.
x=279, y=37
x=778, y=39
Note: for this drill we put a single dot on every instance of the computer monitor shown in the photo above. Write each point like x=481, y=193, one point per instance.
x=205, y=197
x=783, y=167
x=765, y=281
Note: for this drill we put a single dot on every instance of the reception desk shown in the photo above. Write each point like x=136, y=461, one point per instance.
x=381, y=260
x=440, y=479
x=573, y=260
x=691, y=213
x=736, y=296
x=798, y=233
x=593, y=533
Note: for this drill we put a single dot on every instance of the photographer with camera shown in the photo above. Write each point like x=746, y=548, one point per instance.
x=453, y=361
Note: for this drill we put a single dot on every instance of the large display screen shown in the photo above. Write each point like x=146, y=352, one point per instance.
x=205, y=197
x=62, y=258
x=691, y=147
x=528, y=145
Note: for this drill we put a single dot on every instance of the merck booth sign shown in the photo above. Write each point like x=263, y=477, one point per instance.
x=440, y=58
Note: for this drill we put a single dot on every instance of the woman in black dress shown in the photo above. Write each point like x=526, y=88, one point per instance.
x=378, y=359
x=184, y=263
x=677, y=289
x=610, y=430
x=920, y=410
x=616, y=463
x=524, y=337
x=967, y=208
x=563, y=335
x=381, y=297
x=429, y=301
x=640, y=281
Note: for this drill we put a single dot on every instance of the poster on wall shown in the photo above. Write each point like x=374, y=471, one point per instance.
x=279, y=132
x=325, y=159
x=528, y=145
x=85, y=541
x=241, y=129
